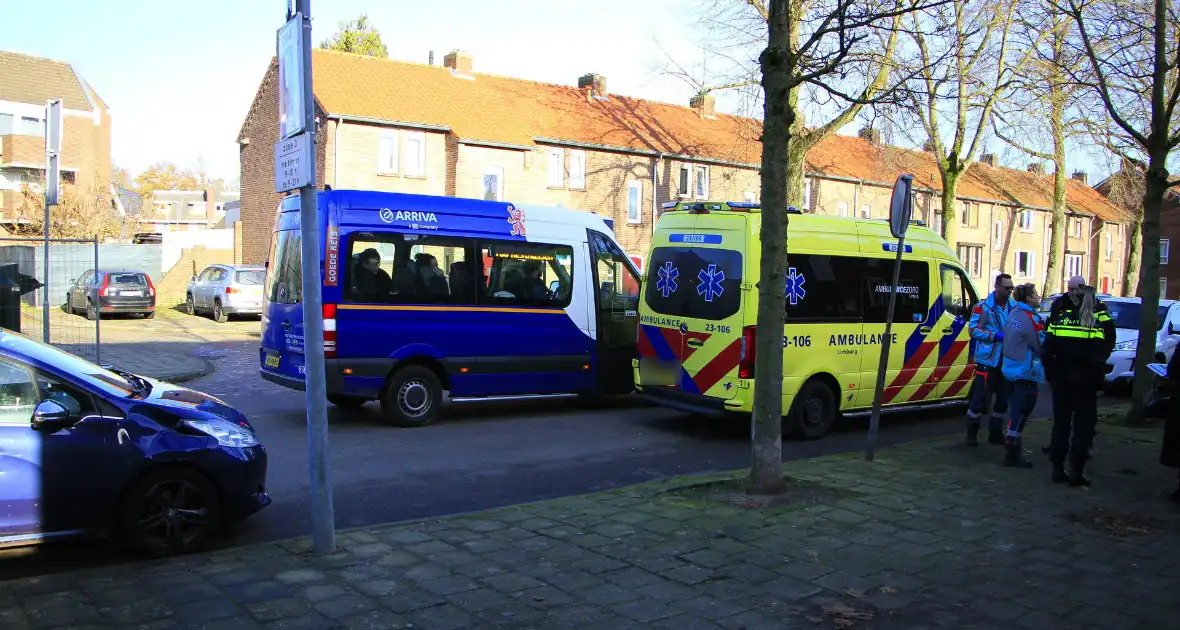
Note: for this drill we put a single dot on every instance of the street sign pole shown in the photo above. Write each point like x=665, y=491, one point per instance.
x=298, y=124
x=899, y=220
x=52, y=181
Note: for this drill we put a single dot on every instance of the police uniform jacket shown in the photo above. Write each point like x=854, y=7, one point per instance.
x=1073, y=351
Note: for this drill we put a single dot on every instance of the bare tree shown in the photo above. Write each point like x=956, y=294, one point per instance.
x=965, y=63
x=808, y=45
x=1133, y=49
x=81, y=212
x=737, y=34
x=1040, y=116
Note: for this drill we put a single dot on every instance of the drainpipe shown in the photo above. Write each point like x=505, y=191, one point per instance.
x=336, y=152
x=655, y=196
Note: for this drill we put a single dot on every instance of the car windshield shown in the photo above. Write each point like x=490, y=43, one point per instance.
x=1126, y=314
x=252, y=278
x=66, y=363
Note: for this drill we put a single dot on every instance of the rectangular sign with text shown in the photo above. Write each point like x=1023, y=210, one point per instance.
x=293, y=163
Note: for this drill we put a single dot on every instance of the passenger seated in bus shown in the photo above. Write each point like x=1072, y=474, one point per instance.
x=458, y=278
x=534, y=282
x=369, y=280
x=433, y=282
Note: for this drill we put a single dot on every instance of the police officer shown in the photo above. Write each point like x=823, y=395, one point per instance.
x=1078, y=340
x=987, y=333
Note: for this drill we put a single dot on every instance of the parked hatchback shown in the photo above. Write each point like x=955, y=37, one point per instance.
x=99, y=293
x=90, y=450
x=224, y=290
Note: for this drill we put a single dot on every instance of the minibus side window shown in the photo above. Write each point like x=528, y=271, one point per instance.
x=526, y=274
x=913, y=291
x=285, y=274
x=823, y=288
x=392, y=268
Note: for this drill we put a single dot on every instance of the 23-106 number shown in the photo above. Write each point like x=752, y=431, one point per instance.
x=717, y=328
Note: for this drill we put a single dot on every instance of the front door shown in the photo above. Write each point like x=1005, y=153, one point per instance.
x=617, y=313
x=914, y=339
x=954, y=369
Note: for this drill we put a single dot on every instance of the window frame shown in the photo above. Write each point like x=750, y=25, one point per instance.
x=923, y=300
x=967, y=285
x=388, y=162
x=698, y=191
x=866, y=210
x=857, y=285
x=1027, y=221
x=482, y=245
x=1032, y=263
x=498, y=171
x=971, y=256
x=842, y=208
x=635, y=185
x=577, y=169
x=1109, y=243
x=684, y=181
x=556, y=172
x=806, y=195
x=1076, y=269
x=387, y=236
x=1163, y=287
x=965, y=217
x=998, y=235
x=408, y=138
x=749, y=197
x=1165, y=250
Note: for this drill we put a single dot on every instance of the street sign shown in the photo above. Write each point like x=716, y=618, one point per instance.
x=293, y=164
x=292, y=116
x=52, y=150
x=901, y=207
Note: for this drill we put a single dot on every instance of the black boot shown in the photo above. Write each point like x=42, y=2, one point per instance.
x=1076, y=478
x=972, y=434
x=996, y=434
x=1014, y=454
x=1059, y=475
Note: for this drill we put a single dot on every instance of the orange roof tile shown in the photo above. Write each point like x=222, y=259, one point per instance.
x=504, y=110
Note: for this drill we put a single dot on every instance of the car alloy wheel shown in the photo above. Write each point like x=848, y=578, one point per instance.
x=174, y=514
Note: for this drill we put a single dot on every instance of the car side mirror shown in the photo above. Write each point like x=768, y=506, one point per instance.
x=192, y=279
x=50, y=415
x=554, y=286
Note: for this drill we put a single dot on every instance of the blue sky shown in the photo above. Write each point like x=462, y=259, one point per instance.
x=179, y=77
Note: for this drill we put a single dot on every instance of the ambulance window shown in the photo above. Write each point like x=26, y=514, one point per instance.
x=823, y=288
x=958, y=294
x=526, y=274
x=913, y=291
x=697, y=282
x=392, y=268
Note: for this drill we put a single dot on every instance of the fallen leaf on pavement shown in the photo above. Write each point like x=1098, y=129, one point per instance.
x=888, y=590
x=855, y=593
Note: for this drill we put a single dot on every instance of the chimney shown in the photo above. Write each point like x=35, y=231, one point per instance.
x=1081, y=177
x=459, y=62
x=430, y=59
x=1036, y=167
x=705, y=104
x=988, y=158
x=593, y=84
x=870, y=134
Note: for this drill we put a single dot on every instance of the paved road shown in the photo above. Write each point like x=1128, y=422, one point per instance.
x=475, y=458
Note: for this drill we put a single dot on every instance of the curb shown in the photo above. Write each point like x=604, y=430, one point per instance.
x=207, y=368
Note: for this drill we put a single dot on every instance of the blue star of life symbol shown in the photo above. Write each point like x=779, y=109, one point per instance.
x=668, y=274
x=710, y=285
x=795, y=282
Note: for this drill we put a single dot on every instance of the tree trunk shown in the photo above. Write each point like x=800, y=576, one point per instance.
x=1059, y=227
x=766, y=466
x=950, y=218
x=1134, y=254
x=796, y=166
x=1153, y=198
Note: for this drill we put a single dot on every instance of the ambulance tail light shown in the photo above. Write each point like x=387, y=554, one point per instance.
x=329, y=331
x=746, y=358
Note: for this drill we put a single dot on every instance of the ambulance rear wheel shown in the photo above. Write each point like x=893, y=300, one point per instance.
x=413, y=397
x=814, y=411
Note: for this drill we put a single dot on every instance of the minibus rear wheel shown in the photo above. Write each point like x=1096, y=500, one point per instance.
x=413, y=397
x=814, y=411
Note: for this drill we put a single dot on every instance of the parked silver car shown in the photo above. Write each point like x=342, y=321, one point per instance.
x=224, y=290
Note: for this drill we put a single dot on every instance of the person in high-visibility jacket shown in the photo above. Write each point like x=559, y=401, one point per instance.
x=1079, y=338
x=988, y=319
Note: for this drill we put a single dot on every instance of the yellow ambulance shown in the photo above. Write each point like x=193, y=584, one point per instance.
x=700, y=302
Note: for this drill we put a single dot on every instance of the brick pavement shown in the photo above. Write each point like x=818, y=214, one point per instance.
x=931, y=535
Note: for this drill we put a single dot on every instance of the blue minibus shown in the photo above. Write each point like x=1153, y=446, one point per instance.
x=428, y=300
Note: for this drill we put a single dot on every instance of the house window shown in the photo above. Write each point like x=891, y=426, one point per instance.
x=806, y=195
x=972, y=258
x=1073, y=265
x=30, y=126
x=1025, y=263
x=387, y=153
x=1163, y=288
x=936, y=224
x=1165, y=245
x=634, y=201
x=842, y=208
x=1109, y=245
x=1075, y=229
x=998, y=235
x=866, y=211
x=965, y=214
x=556, y=168
x=1026, y=221
x=749, y=197
x=682, y=188
x=415, y=154
x=493, y=184
x=578, y=169
x=700, y=182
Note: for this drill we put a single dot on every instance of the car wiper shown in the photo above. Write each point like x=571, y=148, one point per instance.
x=140, y=384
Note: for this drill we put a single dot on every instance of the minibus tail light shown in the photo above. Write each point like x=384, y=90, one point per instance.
x=746, y=358
x=329, y=331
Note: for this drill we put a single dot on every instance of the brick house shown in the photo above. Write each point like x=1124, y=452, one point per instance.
x=447, y=130
x=26, y=83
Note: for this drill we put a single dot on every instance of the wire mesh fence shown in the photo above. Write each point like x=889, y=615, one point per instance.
x=50, y=307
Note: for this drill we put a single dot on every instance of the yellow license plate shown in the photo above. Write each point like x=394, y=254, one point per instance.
x=272, y=360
